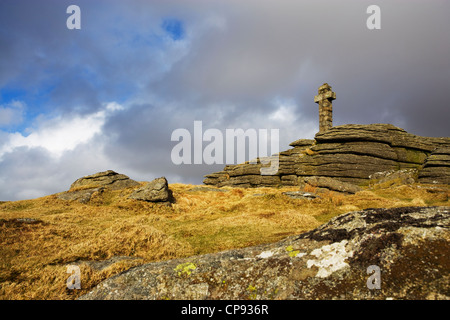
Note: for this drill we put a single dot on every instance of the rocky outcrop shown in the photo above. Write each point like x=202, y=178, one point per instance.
x=349, y=153
x=352, y=153
x=84, y=188
x=109, y=179
x=154, y=191
x=437, y=167
x=398, y=253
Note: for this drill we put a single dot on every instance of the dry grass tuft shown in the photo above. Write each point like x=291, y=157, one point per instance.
x=309, y=188
x=39, y=238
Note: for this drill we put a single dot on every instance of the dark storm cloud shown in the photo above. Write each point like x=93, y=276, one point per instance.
x=239, y=53
x=290, y=48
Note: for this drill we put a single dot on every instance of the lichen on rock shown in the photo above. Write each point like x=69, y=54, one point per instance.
x=330, y=258
x=185, y=269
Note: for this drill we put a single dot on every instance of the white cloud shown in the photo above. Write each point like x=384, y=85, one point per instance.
x=55, y=153
x=286, y=116
x=60, y=134
x=285, y=112
x=12, y=113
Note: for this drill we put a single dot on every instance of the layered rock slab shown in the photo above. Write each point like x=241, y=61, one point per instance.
x=349, y=153
x=331, y=184
x=436, y=168
x=109, y=179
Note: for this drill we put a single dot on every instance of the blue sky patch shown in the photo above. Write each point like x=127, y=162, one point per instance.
x=10, y=94
x=174, y=28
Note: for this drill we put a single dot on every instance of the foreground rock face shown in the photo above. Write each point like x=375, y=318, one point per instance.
x=349, y=153
x=409, y=246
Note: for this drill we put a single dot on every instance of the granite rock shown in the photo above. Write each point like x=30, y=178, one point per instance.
x=348, y=153
x=154, y=191
x=109, y=179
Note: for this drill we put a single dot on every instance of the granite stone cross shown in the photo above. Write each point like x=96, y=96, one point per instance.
x=324, y=98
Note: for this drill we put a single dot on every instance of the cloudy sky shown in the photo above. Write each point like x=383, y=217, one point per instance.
x=109, y=95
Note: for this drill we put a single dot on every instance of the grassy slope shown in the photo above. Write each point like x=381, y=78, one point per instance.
x=34, y=256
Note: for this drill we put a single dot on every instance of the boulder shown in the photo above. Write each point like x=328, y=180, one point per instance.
x=83, y=188
x=401, y=251
x=154, y=191
x=109, y=179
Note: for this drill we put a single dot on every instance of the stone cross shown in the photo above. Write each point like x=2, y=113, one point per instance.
x=324, y=99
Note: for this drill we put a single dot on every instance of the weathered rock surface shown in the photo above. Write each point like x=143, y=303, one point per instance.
x=405, y=176
x=110, y=179
x=349, y=153
x=302, y=143
x=83, y=189
x=331, y=184
x=409, y=245
x=383, y=133
x=437, y=167
x=82, y=196
x=154, y=191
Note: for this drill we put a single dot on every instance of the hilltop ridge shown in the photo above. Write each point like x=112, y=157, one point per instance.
x=348, y=153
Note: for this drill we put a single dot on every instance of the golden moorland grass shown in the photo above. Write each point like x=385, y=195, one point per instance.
x=34, y=254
